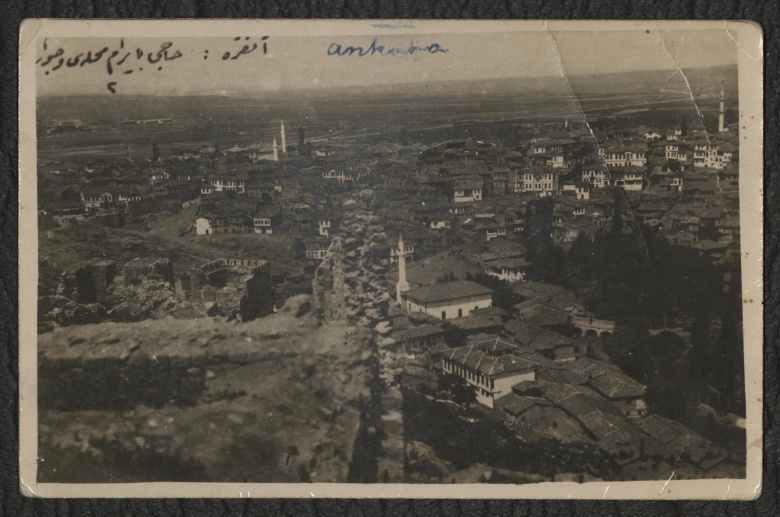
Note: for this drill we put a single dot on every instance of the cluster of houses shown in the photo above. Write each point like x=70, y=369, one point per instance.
x=528, y=364
x=467, y=190
x=436, y=314
x=106, y=193
x=476, y=198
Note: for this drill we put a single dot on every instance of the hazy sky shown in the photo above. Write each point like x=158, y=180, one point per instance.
x=303, y=62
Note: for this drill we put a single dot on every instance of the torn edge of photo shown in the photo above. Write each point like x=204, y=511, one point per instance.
x=390, y=259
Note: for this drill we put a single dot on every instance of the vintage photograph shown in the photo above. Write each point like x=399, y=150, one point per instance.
x=435, y=258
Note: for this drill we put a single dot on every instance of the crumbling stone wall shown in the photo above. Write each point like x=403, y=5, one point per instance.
x=328, y=287
x=89, y=282
x=349, y=283
x=97, y=290
x=231, y=287
x=139, y=269
x=259, y=295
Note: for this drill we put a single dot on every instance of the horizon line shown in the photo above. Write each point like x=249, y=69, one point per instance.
x=672, y=72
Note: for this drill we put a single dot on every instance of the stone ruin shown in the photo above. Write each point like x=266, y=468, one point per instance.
x=348, y=284
x=89, y=282
x=235, y=288
x=139, y=269
x=98, y=290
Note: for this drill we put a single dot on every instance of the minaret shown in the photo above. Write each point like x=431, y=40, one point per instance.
x=284, y=139
x=402, y=286
x=722, y=111
x=276, y=151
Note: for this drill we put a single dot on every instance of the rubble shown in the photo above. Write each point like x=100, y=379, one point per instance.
x=233, y=288
x=97, y=290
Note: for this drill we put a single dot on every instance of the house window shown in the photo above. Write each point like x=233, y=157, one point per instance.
x=444, y=315
x=460, y=313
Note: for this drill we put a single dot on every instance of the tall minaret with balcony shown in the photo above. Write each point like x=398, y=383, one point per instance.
x=402, y=286
x=722, y=111
x=276, y=151
x=284, y=139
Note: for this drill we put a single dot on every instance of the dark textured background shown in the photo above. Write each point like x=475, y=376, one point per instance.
x=12, y=12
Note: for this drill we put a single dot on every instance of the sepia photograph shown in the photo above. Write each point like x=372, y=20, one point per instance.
x=390, y=259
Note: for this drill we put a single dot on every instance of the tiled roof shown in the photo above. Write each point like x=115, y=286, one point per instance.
x=491, y=343
x=490, y=311
x=657, y=428
x=536, y=337
x=447, y=291
x=626, y=169
x=473, y=184
x=605, y=378
x=474, y=358
x=541, y=314
x=420, y=331
x=516, y=404
x=503, y=248
x=549, y=293
x=509, y=263
x=437, y=348
x=477, y=322
x=615, y=384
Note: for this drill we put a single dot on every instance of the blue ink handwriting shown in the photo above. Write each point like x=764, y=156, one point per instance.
x=376, y=49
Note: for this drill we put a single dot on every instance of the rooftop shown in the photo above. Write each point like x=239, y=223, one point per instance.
x=475, y=358
x=474, y=322
x=552, y=294
x=606, y=379
x=536, y=337
x=419, y=331
x=515, y=404
x=446, y=291
x=541, y=314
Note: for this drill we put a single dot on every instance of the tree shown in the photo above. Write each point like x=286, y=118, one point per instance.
x=457, y=388
x=538, y=222
x=699, y=357
x=503, y=295
x=628, y=347
x=728, y=360
x=617, y=214
x=298, y=247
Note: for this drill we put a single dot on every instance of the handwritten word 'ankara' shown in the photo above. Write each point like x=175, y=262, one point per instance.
x=119, y=60
x=375, y=49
